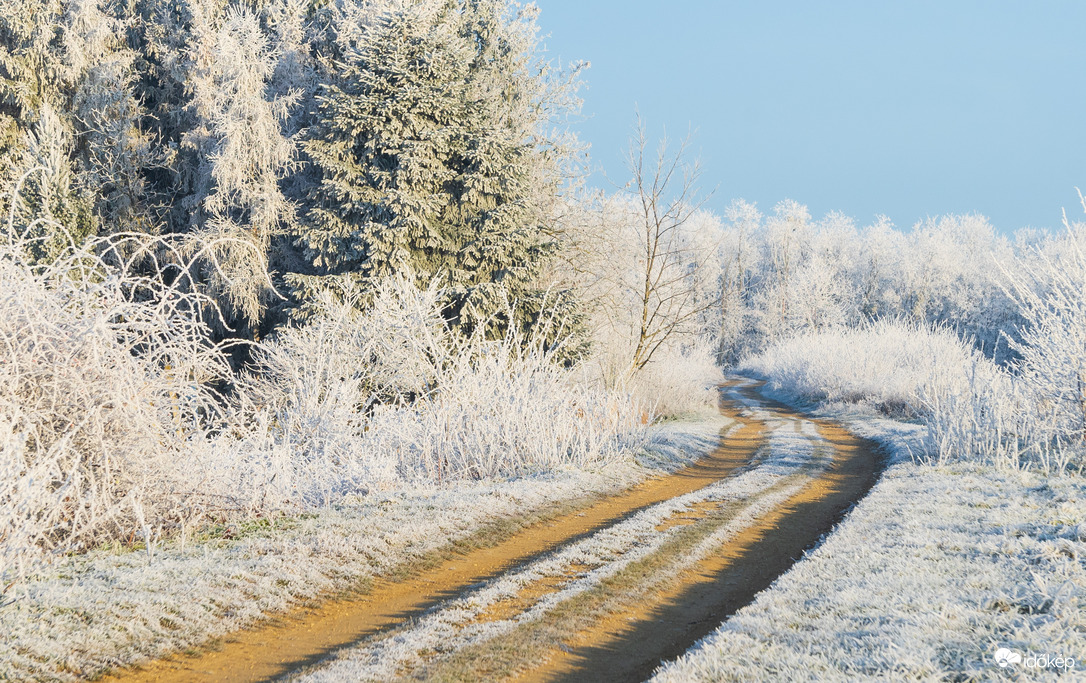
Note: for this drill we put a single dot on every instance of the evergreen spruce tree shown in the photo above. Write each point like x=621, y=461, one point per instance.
x=504, y=178
x=431, y=148
x=385, y=123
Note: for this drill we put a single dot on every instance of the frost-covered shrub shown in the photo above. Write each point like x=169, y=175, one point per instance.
x=499, y=409
x=891, y=365
x=678, y=382
x=1035, y=417
x=392, y=393
x=991, y=417
x=973, y=408
x=119, y=419
x=106, y=379
x=320, y=377
x=1052, y=349
x=314, y=385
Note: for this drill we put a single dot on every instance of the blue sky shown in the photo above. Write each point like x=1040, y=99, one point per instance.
x=908, y=109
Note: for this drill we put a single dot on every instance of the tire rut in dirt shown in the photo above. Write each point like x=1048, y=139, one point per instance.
x=635, y=649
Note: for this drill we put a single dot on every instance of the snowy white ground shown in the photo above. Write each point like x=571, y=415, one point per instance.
x=928, y=577
x=88, y=613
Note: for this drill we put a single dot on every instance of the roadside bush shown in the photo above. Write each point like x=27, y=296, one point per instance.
x=393, y=392
x=891, y=365
x=973, y=409
x=1051, y=294
x=114, y=424
x=107, y=377
x=679, y=382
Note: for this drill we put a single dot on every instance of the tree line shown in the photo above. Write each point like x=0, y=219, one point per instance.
x=330, y=144
x=327, y=145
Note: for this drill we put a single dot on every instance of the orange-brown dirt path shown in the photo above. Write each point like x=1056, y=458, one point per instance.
x=627, y=644
x=300, y=639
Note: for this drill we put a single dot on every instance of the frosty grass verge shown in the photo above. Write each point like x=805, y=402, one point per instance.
x=89, y=613
x=932, y=573
x=794, y=456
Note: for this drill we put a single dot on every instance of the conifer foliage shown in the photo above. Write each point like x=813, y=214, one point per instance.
x=432, y=149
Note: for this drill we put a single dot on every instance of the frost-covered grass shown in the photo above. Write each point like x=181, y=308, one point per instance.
x=936, y=569
x=109, y=608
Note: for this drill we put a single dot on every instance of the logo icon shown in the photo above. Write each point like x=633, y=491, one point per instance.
x=1005, y=657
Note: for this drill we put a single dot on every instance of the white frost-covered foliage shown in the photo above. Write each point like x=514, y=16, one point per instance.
x=680, y=382
x=604, y=261
x=105, y=392
x=237, y=134
x=787, y=273
x=111, y=428
x=101, y=68
x=1052, y=296
x=435, y=152
x=892, y=365
x=500, y=410
x=393, y=390
x=974, y=409
x=321, y=376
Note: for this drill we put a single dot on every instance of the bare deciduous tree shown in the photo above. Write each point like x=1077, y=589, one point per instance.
x=665, y=189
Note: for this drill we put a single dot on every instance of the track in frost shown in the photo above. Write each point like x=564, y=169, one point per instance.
x=605, y=593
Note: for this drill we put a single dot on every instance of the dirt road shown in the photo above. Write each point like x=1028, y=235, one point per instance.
x=604, y=592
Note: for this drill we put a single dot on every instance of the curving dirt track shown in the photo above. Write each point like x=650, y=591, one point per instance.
x=631, y=643
x=694, y=547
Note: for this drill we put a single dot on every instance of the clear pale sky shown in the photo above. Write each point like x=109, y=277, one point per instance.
x=909, y=108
